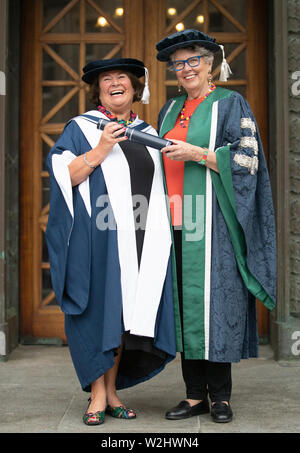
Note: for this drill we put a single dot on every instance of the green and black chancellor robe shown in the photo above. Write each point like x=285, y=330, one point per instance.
x=228, y=232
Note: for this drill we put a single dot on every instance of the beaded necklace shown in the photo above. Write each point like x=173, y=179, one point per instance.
x=114, y=118
x=183, y=118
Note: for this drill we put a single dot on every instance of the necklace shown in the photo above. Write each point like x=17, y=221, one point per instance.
x=114, y=118
x=183, y=118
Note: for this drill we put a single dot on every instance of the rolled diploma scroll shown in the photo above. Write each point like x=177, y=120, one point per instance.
x=138, y=136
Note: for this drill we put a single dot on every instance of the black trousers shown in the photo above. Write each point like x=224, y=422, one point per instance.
x=201, y=377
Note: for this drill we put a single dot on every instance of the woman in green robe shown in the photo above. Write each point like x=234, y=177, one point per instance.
x=223, y=224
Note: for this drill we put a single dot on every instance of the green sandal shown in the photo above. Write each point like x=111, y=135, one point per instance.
x=93, y=418
x=120, y=412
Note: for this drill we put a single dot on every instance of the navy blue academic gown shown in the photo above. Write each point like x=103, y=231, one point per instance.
x=101, y=286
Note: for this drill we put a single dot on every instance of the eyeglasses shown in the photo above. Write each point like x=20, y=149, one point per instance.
x=178, y=65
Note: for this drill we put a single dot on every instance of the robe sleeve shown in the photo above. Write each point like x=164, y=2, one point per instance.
x=60, y=156
x=61, y=220
x=244, y=194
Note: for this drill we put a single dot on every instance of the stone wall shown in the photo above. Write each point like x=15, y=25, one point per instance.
x=10, y=32
x=294, y=103
x=3, y=40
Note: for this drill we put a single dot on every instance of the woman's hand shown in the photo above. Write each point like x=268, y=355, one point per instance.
x=183, y=151
x=78, y=168
x=110, y=137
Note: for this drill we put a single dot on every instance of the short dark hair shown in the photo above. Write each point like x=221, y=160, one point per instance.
x=138, y=86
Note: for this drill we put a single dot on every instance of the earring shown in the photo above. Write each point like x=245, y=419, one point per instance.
x=209, y=78
x=179, y=88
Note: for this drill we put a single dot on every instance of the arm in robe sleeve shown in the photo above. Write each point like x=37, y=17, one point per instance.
x=69, y=258
x=244, y=195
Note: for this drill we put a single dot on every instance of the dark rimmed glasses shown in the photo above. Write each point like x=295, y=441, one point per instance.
x=178, y=65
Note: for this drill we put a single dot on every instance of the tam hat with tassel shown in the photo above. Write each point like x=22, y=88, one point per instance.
x=135, y=67
x=183, y=39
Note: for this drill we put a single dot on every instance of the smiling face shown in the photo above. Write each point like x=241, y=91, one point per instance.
x=193, y=80
x=116, y=91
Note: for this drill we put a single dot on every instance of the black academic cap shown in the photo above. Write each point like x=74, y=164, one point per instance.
x=183, y=39
x=92, y=69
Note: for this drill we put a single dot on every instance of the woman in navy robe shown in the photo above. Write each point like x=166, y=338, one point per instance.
x=109, y=242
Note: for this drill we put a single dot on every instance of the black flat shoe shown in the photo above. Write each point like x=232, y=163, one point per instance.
x=221, y=412
x=184, y=410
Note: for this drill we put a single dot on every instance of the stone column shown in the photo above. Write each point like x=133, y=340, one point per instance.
x=3, y=46
x=10, y=32
x=294, y=120
x=294, y=107
x=285, y=174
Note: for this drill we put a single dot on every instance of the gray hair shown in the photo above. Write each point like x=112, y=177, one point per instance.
x=206, y=53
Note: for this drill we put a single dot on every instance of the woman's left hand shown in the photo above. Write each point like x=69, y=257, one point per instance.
x=183, y=151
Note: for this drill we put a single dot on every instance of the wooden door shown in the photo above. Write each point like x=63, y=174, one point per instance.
x=58, y=38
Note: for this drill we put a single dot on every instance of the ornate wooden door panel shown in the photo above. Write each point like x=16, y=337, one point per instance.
x=59, y=37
